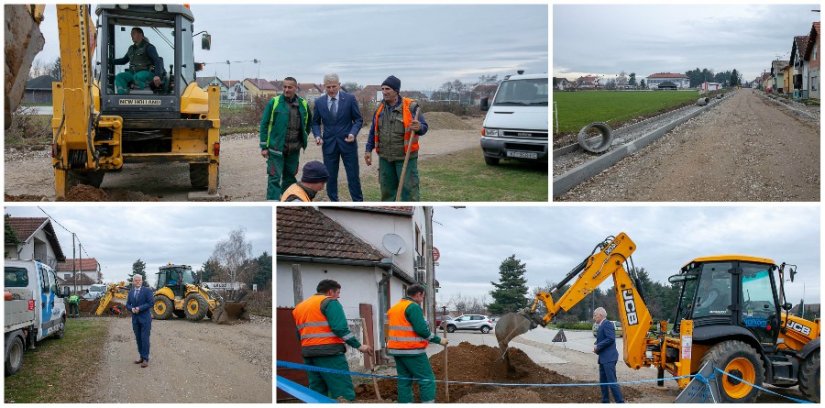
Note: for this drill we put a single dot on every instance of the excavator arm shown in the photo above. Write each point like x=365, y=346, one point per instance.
x=116, y=292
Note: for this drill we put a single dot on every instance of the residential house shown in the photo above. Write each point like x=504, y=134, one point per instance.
x=235, y=90
x=38, y=90
x=800, y=67
x=369, y=94
x=279, y=86
x=588, y=82
x=310, y=91
x=259, y=87
x=668, y=80
x=787, y=80
x=36, y=240
x=206, y=82
x=82, y=272
x=778, y=75
x=482, y=91
x=561, y=84
x=375, y=253
x=767, y=82
x=812, y=58
x=711, y=86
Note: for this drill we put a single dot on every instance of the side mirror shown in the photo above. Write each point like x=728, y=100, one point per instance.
x=485, y=104
x=792, y=273
x=787, y=306
x=206, y=41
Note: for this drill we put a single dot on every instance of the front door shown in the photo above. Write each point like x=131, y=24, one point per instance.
x=759, y=312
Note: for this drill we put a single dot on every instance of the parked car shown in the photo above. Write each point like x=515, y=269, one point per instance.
x=470, y=322
x=617, y=325
x=95, y=292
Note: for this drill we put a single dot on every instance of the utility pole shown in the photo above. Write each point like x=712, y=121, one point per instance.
x=429, y=313
x=74, y=264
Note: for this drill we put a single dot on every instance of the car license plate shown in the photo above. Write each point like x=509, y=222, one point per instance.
x=522, y=155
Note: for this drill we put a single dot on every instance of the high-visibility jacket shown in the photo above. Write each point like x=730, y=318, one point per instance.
x=407, y=119
x=312, y=324
x=275, y=121
x=401, y=338
x=296, y=190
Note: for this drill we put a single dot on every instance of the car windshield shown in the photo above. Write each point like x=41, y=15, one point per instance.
x=523, y=92
x=16, y=277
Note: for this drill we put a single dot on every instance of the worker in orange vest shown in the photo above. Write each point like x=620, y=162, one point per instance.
x=407, y=341
x=323, y=331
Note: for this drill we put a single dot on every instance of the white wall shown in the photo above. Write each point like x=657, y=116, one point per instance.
x=27, y=249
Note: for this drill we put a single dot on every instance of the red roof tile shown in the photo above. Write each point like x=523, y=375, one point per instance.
x=305, y=231
x=24, y=227
x=83, y=264
x=667, y=75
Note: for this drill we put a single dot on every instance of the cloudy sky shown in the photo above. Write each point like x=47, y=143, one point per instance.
x=423, y=45
x=645, y=39
x=473, y=241
x=119, y=235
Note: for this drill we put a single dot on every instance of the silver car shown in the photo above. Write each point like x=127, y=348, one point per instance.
x=470, y=322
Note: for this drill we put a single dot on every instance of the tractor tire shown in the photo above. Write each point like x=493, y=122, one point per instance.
x=195, y=307
x=162, y=308
x=14, y=355
x=450, y=329
x=740, y=359
x=809, y=377
x=199, y=175
x=179, y=313
x=62, y=331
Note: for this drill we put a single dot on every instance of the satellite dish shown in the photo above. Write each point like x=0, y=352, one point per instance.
x=394, y=244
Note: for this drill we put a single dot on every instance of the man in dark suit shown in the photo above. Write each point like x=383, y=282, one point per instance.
x=340, y=116
x=608, y=355
x=139, y=302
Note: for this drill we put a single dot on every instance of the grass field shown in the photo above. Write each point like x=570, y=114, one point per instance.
x=577, y=109
x=463, y=176
x=58, y=369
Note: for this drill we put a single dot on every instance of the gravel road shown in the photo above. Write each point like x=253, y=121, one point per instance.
x=744, y=149
x=189, y=362
x=243, y=170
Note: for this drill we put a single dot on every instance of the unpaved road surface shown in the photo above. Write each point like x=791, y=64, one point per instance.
x=242, y=172
x=189, y=362
x=575, y=359
x=744, y=149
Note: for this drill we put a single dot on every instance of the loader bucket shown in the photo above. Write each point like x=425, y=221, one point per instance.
x=230, y=312
x=510, y=326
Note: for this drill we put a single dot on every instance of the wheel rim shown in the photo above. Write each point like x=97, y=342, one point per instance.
x=16, y=355
x=160, y=308
x=193, y=306
x=742, y=368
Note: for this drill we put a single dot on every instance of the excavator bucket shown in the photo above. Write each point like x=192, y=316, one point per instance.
x=510, y=326
x=231, y=310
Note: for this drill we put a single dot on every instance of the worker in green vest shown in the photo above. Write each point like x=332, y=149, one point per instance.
x=74, y=305
x=145, y=66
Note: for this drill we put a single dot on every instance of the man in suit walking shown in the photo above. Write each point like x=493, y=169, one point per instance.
x=340, y=116
x=608, y=356
x=140, y=302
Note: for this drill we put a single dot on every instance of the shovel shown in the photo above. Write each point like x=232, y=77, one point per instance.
x=408, y=147
x=372, y=358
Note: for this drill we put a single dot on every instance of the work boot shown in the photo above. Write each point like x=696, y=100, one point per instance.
x=144, y=364
x=139, y=361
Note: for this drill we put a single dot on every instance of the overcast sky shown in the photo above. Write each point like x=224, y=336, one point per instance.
x=117, y=236
x=645, y=39
x=473, y=241
x=423, y=45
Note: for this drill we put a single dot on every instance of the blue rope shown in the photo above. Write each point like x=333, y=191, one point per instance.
x=801, y=401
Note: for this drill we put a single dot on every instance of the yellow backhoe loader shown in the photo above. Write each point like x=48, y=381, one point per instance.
x=180, y=293
x=731, y=314
x=115, y=292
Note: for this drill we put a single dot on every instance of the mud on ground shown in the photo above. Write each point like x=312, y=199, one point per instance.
x=479, y=363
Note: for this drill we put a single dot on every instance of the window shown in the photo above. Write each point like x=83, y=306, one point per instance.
x=67, y=276
x=714, y=294
x=16, y=277
x=757, y=294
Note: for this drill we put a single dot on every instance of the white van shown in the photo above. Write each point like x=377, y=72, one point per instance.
x=517, y=121
x=34, y=308
x=95, y=292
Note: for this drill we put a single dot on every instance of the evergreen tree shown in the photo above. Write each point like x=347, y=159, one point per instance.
x=139, y=267
x=209, y=270
x=263, y=276
x=510, y=293
x=642, y=84
x=632, y=80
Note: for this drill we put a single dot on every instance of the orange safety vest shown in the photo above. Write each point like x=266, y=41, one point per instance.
x=407, y=118
x=297, y=191
x=401, y=338
x=312, y=324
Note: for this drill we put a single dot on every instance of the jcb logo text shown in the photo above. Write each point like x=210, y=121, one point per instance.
x=630, y=307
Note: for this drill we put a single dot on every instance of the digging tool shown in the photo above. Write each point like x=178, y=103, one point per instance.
x=446, y=368
x=510, y=326
x=408, y=146
x=372, y=357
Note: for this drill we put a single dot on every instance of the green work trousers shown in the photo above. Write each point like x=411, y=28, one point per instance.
x=140, y=78
x=280, y=170
x=418, y=367
x=389, y=173
x=331, y=385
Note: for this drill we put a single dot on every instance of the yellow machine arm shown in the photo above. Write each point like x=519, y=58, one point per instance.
x=607, y=260
x=117, y=292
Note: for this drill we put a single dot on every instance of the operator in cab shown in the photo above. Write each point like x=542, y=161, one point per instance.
x=145, y=66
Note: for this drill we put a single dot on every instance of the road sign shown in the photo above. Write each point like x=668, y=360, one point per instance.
x=436, y=254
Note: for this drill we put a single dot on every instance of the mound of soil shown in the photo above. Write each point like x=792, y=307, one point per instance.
x=83, y=192
x=25, y=197
x=446, y=120
x=482, y=364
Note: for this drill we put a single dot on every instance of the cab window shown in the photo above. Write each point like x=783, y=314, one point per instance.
x=757, y=293
x=714, y=293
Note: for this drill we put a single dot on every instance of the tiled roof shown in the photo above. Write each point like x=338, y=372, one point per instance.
x=83, y=264
x=305, y=231
x=41, y=82
x=82, y=279
x=813, y=38
x=307, y=87
x=668, y=75
x=24, y=227
x=261, y=84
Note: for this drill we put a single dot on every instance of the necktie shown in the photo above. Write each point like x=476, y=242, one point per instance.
x=333, y=109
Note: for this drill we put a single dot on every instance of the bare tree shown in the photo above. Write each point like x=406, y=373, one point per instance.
x=233, y=255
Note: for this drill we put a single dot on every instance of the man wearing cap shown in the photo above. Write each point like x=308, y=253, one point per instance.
x=312, y=181
x=283, y=132
x=391, y=135
x=340, y=116
x=323, y=331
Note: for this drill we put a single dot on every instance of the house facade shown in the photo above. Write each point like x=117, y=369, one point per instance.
x=799, y=75
x=668, y=80
x=80, y=273
x=587, y=82
x=561, y=83
x=205, y=82
x=778, y=75
x=256, y=87
x=39, y=90
x=36, y=241
x=812, y=59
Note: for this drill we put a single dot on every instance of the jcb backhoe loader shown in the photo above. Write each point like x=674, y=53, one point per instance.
x=97, y=129
x=732, y=314
x=115, y=292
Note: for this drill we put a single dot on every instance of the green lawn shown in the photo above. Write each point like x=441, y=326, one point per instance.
x=59, y=370
x=577, y=109
x=463, y=176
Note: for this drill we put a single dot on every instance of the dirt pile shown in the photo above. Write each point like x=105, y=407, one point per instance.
x=25, y=197
x=446, y=120
x=482, y=364
x=83, y=192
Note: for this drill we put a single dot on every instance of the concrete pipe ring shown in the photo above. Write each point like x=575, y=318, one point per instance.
x=702, y=101
x=588, y=141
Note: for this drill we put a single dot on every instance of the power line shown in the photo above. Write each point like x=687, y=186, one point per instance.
x=82, y=248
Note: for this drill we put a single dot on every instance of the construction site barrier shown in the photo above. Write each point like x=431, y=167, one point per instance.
x=302, y=393
x=707, y=380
